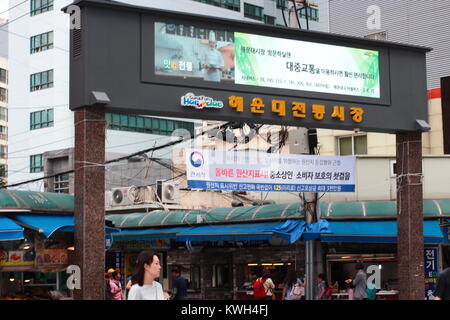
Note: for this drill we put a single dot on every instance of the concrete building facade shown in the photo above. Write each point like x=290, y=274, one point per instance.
x=399, y=21
x=3, y=100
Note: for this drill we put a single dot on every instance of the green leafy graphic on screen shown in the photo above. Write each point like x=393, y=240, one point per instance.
x=246, y=62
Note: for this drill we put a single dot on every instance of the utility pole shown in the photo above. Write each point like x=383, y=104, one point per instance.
x=309, y=138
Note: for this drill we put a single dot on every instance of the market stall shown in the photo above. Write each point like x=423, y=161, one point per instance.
x=34, y=270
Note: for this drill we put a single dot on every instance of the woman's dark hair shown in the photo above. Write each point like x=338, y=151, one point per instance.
x=322, y=276
x=176, y=270
x=265, y=274
x=359, y=266
x=114, y=274
x=291, y=277
x=145, y=257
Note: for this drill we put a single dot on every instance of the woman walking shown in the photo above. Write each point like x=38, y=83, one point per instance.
x=293, y=287
x=147, y=270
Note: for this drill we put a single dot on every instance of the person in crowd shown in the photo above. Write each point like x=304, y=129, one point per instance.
x=371, y=291
x=359, y=283
x=108, y=276
x=116, y=286
x=263, y=287
x=268, y=285
x=145, y=286
x=179, y=285
x=128, y=285
x=322, y=287
x=350, y=290
x=292, y=287
x=442, y=291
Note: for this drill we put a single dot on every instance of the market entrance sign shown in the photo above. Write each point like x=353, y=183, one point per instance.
x=135, y=60
x=146, y=61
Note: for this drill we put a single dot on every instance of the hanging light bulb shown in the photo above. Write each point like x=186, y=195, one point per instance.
x=11, y=276
x=26, y=244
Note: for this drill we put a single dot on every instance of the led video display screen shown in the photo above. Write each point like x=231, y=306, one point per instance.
x=228, y=57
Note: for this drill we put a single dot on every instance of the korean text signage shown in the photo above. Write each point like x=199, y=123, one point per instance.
x=431, y=271
x=248, y=59
x=141, y=244
x=52, y=258
x=255, y=171
x=281, y=108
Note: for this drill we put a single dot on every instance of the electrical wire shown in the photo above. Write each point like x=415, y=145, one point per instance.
x=117, y=159
x=13, y=7
x=296, y=14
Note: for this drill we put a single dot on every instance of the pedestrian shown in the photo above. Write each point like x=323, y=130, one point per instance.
x=292, y=287
x=107, y=286
x=442, y=291
x=350, y=290
x=145, y=286
x=179, y=285
x=359, y=283
x=263, y=287
x=115, y=286
x=371, y=291
x=322, y=287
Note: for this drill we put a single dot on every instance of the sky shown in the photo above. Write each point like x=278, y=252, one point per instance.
x=4, y=5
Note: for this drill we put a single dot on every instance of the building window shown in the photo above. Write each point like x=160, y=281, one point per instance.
x=221, y=276
x=269, y=20
x=352, y=145
x=3, y=113
x=234, y=5
x=313, y=14
x=3, y=95
x=3, y=171
x=3, y=133
x=41, y=119
x=61, y=183
x=3, y=76
x=253, y=12
x=36, y=163
x=41, y=42
x=282, y=4
x=165, y=127
x=3, y=152
x=41, y=80
x=40, y=6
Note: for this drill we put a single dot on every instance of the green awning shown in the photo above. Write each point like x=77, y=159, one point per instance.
x=379, y=209
x=217, y=215
x=28, y=201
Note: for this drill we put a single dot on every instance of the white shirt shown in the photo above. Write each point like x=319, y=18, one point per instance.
x=146, y=292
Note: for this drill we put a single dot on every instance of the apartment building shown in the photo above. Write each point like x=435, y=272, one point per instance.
x=3, y=101
x=400, y=21
x=39, y=73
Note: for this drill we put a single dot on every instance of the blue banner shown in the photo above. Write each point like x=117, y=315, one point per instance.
x=431, y=271
x=218, y=185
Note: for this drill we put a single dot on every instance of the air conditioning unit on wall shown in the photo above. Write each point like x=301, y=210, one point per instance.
x=119, y=197
x=168, y=192
x=128, y=196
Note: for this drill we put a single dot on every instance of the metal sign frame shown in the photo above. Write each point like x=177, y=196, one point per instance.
x=112, y=64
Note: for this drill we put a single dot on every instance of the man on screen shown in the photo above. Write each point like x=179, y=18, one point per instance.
x=212, y=61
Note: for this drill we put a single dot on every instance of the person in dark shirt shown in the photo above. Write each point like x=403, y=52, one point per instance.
x=442, y=291
x=179, y=285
